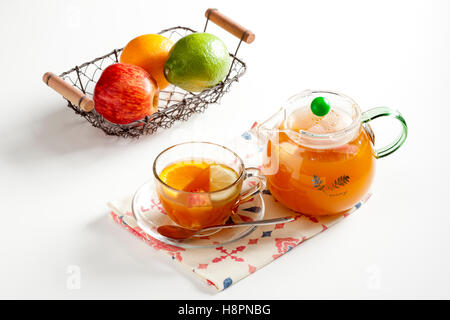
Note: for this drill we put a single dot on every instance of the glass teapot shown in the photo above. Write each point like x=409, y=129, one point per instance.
x=322, y=165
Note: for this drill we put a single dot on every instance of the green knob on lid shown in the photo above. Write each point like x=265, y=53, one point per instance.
x=320, y=106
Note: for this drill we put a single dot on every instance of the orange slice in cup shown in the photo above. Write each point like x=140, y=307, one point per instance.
x=179, y=175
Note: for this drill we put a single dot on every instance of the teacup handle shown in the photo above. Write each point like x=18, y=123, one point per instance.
x=374, y=113
x=252, y=173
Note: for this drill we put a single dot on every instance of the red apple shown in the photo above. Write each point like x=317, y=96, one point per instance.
x=125, y=93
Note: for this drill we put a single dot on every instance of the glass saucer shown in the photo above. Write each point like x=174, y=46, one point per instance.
x=149, y=215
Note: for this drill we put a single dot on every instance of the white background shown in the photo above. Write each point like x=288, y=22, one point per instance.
x=57, y=172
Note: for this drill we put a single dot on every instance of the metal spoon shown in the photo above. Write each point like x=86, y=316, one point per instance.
x=180, y=233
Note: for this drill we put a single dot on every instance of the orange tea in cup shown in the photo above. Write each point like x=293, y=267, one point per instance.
x=196, y=207
x=198, y=191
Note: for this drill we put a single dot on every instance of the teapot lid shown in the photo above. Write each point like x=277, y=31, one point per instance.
x=321, y=119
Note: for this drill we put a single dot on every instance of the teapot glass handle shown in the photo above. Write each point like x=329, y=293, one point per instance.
x=374, y=113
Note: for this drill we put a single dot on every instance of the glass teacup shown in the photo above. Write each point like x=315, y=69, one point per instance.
x=200, y=184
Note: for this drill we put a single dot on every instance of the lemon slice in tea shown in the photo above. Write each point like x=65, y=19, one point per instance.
x=221, y=176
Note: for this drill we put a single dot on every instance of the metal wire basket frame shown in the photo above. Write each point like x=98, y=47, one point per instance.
x=174, y=103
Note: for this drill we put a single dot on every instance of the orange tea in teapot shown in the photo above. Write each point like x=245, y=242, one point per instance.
x=321, y=163
x=321, y=181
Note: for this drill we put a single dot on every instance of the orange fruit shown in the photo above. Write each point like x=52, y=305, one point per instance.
x=150, y=52
x=200, y=182
x=179, y=175
x=198, y=176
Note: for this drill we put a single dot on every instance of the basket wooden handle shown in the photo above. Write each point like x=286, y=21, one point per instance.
x=231, y=26
x=71, y=93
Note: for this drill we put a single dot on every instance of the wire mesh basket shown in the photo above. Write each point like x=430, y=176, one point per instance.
x=77, y=86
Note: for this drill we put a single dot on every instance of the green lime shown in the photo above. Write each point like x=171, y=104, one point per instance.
x=197, y=61
x=320, y=106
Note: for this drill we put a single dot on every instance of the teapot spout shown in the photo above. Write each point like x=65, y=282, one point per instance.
x=268, y=128
x=266, y=135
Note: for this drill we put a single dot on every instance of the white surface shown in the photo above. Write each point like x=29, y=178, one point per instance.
x=57, y=171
